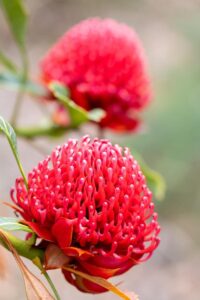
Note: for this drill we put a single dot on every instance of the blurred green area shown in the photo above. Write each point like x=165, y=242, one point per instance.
x=171, y=143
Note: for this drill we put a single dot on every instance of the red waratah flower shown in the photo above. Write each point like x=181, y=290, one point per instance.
x=103, y=64
x=91, y=199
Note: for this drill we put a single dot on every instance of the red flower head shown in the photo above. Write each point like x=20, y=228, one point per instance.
x=91, y=199
x=103, y=65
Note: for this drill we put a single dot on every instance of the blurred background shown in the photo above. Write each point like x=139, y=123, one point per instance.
x=170, y=143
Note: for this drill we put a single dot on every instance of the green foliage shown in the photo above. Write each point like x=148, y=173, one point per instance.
x=12, y=224
x=78, y=115
x=17, y=19
x=7, y=63
x=96, y=114
x=155, y=181
x=47, y=130
x=22, y=247
x=13, y=81
x=7, y=129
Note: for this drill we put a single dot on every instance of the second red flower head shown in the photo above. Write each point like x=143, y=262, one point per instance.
x=103, y=64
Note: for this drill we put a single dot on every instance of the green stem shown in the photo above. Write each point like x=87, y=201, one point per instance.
x=20, y=93
x=33, y=132
x=18, y=163
x=23, y=248
x=17, y=107
x=46, y=275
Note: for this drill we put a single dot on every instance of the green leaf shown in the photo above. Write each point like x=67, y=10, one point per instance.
x=12, y=224
x=78, y=114
x=7, y=63
x=7, y=129
x=14, y=81
x=96, y=114
x=155, y=181
x=50, y=130
x=22, y=247
x=17, y=19
x=58, y=89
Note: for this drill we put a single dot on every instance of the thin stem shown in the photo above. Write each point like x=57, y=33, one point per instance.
x=46, y=275
x=18, y=163
x=101, y=133
x=40, y=131
x=20, y=93
x=17, y=107
x=22, y=247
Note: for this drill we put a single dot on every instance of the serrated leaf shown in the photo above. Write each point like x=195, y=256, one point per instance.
x=17, y=19
x=7, y=129
x=14, y=81
x=7, y=63
x=13, y=224
x=155, y=181
x=78, y=114
x=35, y=290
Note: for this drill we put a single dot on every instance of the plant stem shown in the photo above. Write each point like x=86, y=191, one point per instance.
x=40, y=131
x=17, y=107
x=101, y=133
x=20, y=93
x=23, y=248
x=46, y=275
x=18, y=163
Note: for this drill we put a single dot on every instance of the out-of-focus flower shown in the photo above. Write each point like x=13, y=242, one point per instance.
x=102, y=63
x=91, y=199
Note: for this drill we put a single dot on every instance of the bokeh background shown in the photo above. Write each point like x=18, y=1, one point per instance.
x=170, y=143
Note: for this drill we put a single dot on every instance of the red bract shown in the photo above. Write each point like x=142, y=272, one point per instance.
x=102, y=63
x=91, y=199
